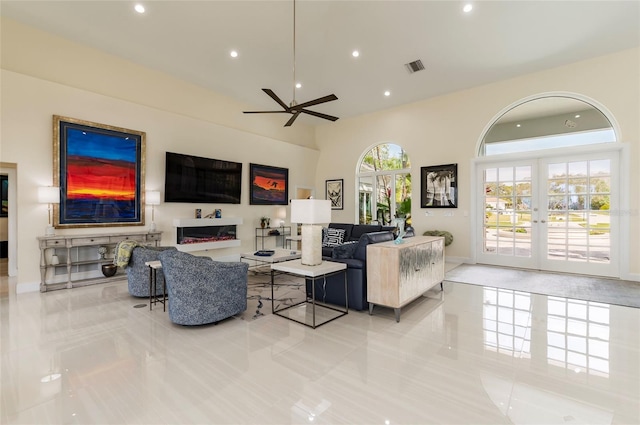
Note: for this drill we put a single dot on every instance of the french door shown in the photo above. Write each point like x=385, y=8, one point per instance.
x=550, y=213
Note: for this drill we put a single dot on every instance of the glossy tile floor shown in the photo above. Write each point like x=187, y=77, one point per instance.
x=469, y=355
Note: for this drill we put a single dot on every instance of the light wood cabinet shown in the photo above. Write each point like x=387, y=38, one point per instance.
x=74, y=260
x=399, y=273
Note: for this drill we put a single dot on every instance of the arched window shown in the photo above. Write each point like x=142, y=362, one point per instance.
x=546, y=122
x=384, y=185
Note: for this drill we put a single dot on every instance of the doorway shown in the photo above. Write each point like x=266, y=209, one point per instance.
x=550, y=213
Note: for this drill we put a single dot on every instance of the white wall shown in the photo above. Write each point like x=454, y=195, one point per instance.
x=28, y=104
x=447, y=129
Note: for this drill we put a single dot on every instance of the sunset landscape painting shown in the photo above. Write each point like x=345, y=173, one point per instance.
x=100, y=176
x=269, y=185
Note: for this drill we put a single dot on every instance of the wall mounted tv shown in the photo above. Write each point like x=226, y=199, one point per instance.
x=195, y=179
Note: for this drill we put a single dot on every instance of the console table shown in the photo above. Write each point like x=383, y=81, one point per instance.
x=400, y=273
x=267, y=232
x=78, y=260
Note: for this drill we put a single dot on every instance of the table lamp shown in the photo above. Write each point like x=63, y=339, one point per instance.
x=311, y=213
x=281, y=214
x=49, y=195
x=152, y=197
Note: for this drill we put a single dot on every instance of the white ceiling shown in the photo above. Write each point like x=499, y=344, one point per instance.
x=192, y=40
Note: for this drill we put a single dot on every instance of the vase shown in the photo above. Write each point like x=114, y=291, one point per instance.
x=400, y=226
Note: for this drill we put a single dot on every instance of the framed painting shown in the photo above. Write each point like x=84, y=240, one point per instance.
x=4, y=188
x=334, y=193
x=439, y=186
x=100, y=171
x=269, y=185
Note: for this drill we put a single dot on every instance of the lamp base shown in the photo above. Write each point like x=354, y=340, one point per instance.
x=49, y=231
x=311, y=245
x=153, y=227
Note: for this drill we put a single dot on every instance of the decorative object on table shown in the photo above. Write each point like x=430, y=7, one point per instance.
x=218, y=213
x=311, y=213
x=264, y=221
x=400, y=227
x=49, y=195
x=439, y=186
x=102, y=251
x=334, y=193
x=268, y=185
x=448, y=237
x=100, y=171
x=109, y=269
x=264, y=253
x=152, y=197
x=198, y=213
x=274, y=232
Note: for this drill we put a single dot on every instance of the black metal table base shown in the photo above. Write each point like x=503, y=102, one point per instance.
x=153, y=285
x=311, y=301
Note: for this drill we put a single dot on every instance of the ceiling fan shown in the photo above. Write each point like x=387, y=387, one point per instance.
x=294, y=108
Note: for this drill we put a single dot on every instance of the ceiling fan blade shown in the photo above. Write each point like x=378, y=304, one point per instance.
x=315, y=102
x=320, y=115
x=266, y=112
x=273, y=96
x=292, y=119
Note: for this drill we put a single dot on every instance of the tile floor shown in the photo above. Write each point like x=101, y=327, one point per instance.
x=469, y=355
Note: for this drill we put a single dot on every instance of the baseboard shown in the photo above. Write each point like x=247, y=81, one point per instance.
x=23, y=288
x=634, y=277
x=458, y=260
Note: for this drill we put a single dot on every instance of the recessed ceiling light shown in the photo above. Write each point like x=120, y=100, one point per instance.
x=577, y=115
x=387, y=93
x=467, y=8
x=518, y=125
x=139, y=8
x=298, y=85
x=234, y=54
x=355, y=53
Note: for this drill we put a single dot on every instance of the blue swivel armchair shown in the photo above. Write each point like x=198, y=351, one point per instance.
x=138, y=272
x=201, y=290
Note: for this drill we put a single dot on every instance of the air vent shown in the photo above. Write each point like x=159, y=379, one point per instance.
x=414, y=66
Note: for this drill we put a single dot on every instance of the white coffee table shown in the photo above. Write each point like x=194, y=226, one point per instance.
x=321, y=271
x=278, y=256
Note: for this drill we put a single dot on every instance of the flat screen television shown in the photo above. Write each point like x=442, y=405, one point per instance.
x=195, y=179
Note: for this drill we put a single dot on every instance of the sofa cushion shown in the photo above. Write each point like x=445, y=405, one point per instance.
x=346, y=226
x=368, y=238
x=361, y=229
x=335, y=237
x=346, y=250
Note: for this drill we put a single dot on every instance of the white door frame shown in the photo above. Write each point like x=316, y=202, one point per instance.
x=623, y=179
x=12, y=224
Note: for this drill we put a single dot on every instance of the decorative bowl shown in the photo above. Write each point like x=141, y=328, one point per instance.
x=109, y=269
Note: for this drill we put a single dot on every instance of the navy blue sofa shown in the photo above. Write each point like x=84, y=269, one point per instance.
x=354, y=255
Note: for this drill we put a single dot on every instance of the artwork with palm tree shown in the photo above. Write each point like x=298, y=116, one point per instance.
x=439, y=186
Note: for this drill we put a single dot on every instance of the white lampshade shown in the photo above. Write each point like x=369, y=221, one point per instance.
x=152, y=197
x=310, y=211
x=49, y=195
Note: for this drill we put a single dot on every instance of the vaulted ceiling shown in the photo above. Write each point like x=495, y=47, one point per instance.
x=192, y=40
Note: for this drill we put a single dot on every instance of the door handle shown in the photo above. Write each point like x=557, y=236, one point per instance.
x=543, y=221
x=535, y=221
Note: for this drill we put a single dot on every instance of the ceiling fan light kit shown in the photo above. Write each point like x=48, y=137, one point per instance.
x=295, y=108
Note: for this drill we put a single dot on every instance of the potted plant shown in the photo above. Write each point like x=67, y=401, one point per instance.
x=264, y=221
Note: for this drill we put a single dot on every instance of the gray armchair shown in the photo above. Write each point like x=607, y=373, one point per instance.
x=202, y=290
x=138, y=273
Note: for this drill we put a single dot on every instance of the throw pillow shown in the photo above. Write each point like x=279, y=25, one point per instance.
x=345, y=250
x=335, y=237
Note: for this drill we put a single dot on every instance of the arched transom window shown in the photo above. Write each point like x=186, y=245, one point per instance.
x=384, y=185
